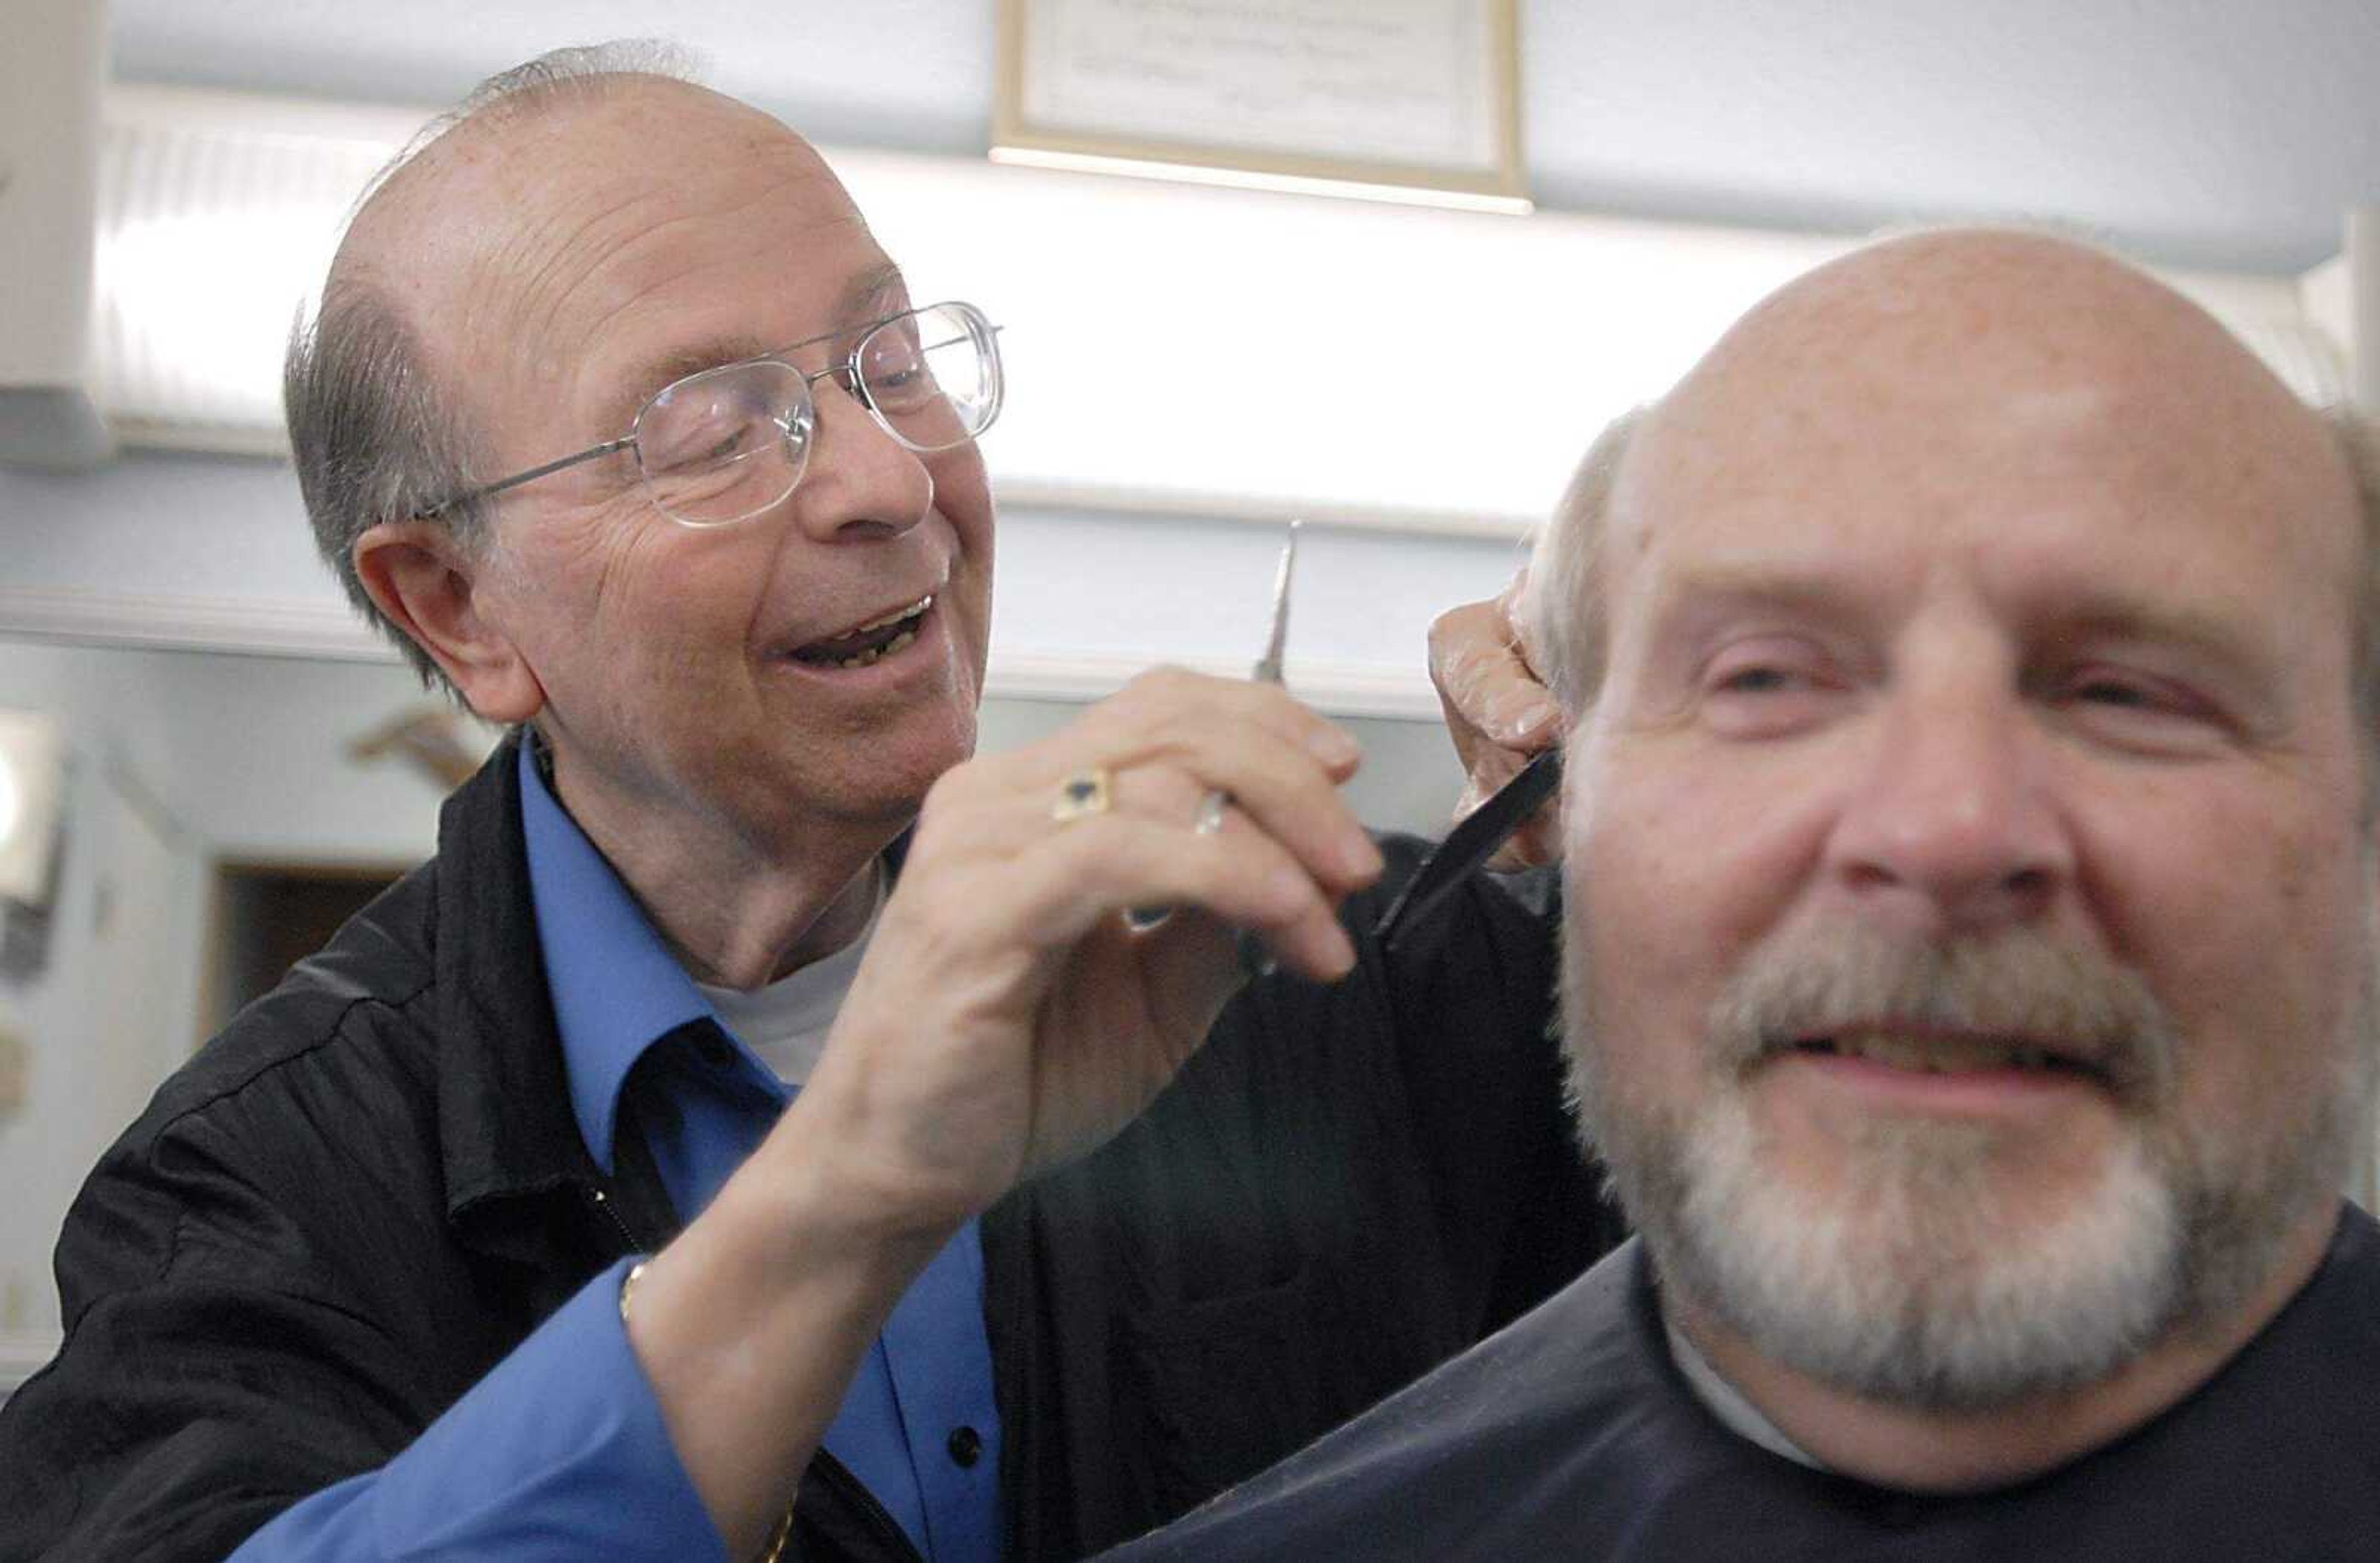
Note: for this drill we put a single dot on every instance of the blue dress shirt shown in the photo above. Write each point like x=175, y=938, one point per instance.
x=561, y=1452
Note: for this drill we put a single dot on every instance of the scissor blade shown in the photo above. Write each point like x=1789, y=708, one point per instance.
x=1268, y=665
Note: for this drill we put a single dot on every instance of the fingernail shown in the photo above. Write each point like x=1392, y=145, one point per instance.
x=1534, y=716
x=1343, y=953
x=1361, y=856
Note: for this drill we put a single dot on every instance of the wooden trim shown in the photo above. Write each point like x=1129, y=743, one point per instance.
x=1504, y=188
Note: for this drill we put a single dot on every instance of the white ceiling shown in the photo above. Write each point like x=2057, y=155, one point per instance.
x=2215, y=133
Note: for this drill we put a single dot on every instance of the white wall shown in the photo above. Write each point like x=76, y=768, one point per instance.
x=99, y=1018
x=212, y=550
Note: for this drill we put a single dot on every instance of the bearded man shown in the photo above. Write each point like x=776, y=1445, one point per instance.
x=1968, y=822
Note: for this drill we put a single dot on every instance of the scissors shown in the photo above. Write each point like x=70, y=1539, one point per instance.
x=1267, y=671
x=1209, y=818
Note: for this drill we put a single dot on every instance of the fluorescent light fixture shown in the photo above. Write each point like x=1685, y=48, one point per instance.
x=1173, y=347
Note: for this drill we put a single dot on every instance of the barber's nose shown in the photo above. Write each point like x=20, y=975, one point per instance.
x=1952, y=823
x=861, y=482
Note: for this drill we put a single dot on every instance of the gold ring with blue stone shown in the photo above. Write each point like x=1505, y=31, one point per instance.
x=1082, y=794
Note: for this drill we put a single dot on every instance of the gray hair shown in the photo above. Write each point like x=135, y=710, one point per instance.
x=1561, y=610
x=1562, y=613
x=373, y=435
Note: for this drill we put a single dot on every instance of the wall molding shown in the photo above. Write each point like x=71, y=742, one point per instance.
x=253, y=626
x=288, y=627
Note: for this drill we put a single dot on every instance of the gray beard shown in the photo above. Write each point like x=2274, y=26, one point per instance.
x=1926, y=1287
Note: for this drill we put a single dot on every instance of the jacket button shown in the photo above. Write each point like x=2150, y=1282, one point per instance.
x=965, y=1446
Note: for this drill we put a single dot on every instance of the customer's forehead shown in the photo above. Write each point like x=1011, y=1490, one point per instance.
x=1847, y=414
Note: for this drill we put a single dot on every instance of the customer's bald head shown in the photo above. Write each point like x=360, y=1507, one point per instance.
x=1938, y=346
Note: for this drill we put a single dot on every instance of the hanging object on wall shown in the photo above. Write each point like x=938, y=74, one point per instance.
x=1418, y=101
x=33, y=806
x=32, y=789
x=433, y=740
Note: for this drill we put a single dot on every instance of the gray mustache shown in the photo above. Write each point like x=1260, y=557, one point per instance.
x=2018, y=983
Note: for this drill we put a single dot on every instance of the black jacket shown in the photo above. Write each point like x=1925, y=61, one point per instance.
x=370, y=1187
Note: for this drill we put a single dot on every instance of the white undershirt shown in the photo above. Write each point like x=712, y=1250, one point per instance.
x=1725, y=1401
x=786, y=1021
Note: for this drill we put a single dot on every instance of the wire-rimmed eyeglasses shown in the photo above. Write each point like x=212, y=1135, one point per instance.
x=729, y=443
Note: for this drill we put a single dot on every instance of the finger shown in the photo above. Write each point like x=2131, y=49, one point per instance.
x=1093, y=868
x=1261, y=786
x=1484, y=681
x=1010, y=805
x=1163, y=698
x=1167, y=760
x=1192, y=967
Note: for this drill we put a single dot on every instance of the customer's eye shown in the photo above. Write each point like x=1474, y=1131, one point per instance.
x=1760, y=680
x=2126, y=691
x=1767, y=687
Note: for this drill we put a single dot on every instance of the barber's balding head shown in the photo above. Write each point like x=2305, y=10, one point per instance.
x=595, y=418
x=1969, y=960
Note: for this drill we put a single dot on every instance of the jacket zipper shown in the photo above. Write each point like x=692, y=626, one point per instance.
x=603, y=1202
x=832, y=1472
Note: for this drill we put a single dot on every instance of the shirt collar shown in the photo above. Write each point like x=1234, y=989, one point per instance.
x=617, y=988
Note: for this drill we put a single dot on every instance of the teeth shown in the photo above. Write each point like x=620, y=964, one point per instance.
x=1940, y=1054
x=911, y=612
x=870, y=658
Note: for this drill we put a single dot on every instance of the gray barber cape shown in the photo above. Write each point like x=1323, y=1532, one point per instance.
x=1572, y=1435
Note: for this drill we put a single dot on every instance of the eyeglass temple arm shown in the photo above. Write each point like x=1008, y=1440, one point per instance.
x=532, y=475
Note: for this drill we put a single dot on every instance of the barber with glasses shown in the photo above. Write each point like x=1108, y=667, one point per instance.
x=757, y=1132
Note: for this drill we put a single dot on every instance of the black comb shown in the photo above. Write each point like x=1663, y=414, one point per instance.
x=1469, y=844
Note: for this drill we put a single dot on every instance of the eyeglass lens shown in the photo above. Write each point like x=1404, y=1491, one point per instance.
x=732, y=442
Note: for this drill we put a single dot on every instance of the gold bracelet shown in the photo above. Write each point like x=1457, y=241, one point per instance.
x=785, y=1533
x=786, y=1526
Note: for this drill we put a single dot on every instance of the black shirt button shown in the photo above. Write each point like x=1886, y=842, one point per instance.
x=965, y=1446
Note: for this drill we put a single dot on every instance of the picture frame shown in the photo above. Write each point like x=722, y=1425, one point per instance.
x=1405, y=100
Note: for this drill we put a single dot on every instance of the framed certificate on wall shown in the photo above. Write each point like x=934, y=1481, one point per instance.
x=1406, y=99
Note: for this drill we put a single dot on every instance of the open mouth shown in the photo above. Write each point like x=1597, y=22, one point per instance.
x=1950, y=1055
x=865, y=645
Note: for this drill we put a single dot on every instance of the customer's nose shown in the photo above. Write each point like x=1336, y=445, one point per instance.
x=1952, y=820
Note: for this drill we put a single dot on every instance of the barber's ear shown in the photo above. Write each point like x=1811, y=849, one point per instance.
x=429, y=584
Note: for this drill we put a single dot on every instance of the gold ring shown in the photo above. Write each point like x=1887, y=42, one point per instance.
x=1081, y=796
